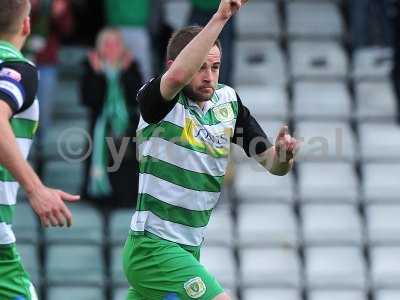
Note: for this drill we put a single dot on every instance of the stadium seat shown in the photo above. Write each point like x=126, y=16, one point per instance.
x=255, y=183
x=270, y=267
x=327, y=182
x=67, y=104
x=387, y=294
x=120, y=221
x=177, y=13
x=75, y=264
x=335, y=224
x=67, y=140
x=326, y=141
x=87, y=227
x=267, y=224
x=117, y=272
x=64, y=175
x=335, y=267
x=383, y=224
x=120, y=293
x=259, y=63
x=380, y=182
x=221, y=263
x=372, y=63
x=30, y=261
x=70, y=60
x=376, y=101
x=385, y=267
x=220, y=228
x=75, y=293
x=321, y=101
x=25, y=224
x=314, y=19
x=270, y=293
x=265, y=103
x=380, y=142
x=258, y=20
x=337, y=295
x=317, y=60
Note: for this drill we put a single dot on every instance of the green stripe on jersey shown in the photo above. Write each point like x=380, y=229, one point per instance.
x=5, y=175
x=24, y=128
x=6, y=213
x=182, y=177
x=175, y=134
x=173, y=213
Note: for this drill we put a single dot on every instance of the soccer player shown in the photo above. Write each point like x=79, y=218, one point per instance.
x=19, y=113
x=188, y=122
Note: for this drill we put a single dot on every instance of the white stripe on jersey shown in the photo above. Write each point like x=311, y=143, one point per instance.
x=32, y=113
x=176, y=195
x=6, y=234
x=167, y=230
x=8, y=192
x=14, y=90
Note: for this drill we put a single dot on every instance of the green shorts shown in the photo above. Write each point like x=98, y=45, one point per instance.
x=14, y=281
x=161, y=270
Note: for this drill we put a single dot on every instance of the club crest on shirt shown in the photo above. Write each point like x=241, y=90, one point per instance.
x=224, y=112
x=195, y=288
x=10, y=73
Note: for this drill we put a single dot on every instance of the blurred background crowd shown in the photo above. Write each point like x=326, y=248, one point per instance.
x=328, y=68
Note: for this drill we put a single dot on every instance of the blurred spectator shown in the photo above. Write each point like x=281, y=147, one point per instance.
x=362, y=22
x=133, y=18
x=51, y=22
x=109, y=85
x=201, y=13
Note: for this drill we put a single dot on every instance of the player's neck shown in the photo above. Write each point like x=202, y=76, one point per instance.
x=17, y=42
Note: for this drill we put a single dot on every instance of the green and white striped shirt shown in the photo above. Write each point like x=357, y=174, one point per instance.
x=183, y=158
x=18, y=84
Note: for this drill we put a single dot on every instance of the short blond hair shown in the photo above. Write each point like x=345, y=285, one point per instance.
x=12, y=14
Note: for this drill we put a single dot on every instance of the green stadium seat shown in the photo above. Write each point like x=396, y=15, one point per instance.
x=117, y=272
x=120, y=221
x=70, y=264
x=25, y=224
x=87, y=227
x=64, y=175
x=75, y=293
x=30, y=261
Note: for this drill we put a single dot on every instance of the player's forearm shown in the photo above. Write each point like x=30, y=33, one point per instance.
x=274, y=164
x=12, y=159
x=189, y=61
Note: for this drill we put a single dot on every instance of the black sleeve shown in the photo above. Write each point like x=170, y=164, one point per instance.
x=153, y=106
x=18, y=85
x=248, y=133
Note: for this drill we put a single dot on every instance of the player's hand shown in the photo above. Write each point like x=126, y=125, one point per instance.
x=286, y=146
x=227, y=8
x=49, y=205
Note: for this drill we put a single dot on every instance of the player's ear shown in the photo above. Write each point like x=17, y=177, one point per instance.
x=169, y=63
x=26, y=26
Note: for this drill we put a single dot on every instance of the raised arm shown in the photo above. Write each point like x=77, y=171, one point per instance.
x=189, y=61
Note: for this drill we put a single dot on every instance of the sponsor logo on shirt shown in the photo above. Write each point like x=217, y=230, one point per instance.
x=195, y=288
x=10, y=73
